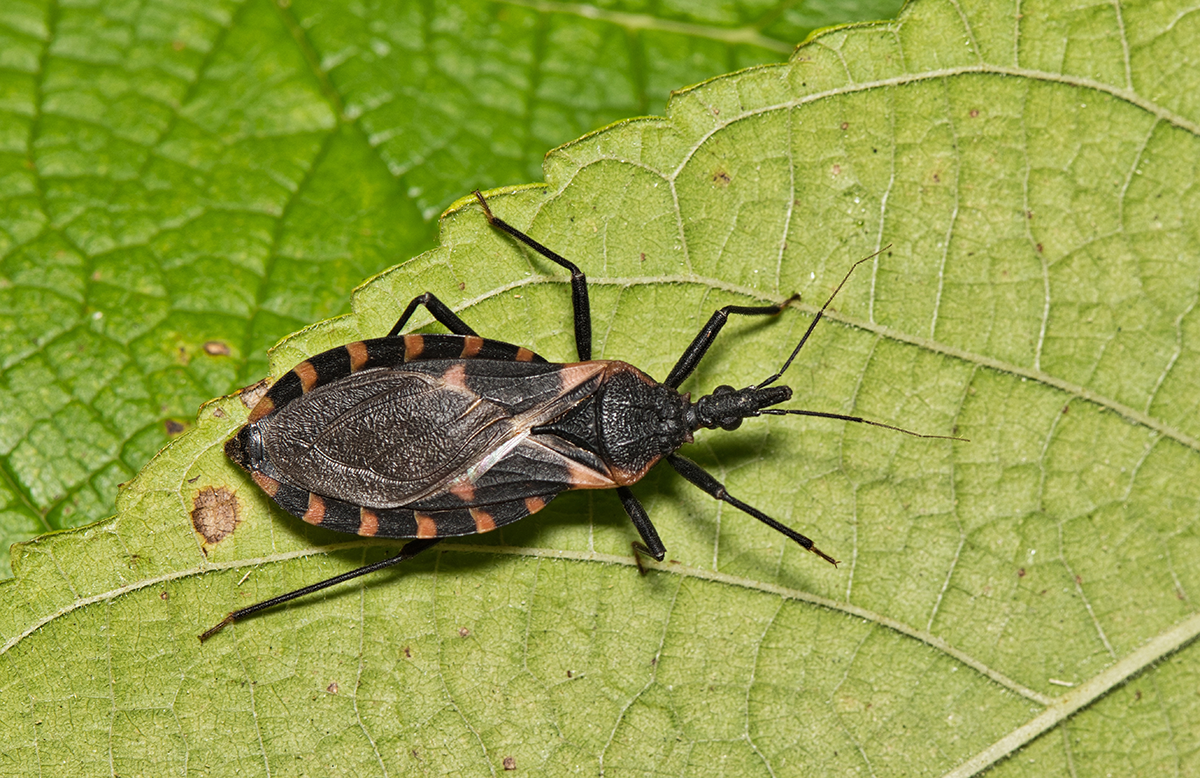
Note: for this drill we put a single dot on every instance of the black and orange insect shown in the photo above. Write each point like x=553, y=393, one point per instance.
x=426, y=437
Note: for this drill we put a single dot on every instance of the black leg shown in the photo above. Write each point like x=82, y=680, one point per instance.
x=411, y=550
x=652, y=545
x=448, y=318
x=698, y=476
x=579, y=291
x=695, y=352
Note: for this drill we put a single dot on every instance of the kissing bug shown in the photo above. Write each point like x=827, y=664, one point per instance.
x=424, y=437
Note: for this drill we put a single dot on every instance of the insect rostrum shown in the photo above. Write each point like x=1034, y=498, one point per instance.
x=432, y=436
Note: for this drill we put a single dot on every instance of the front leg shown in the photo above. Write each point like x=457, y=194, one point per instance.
x=699, y=346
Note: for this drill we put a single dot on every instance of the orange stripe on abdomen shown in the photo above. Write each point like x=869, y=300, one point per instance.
x=307, y=374
x=471, y=346
x=266, y=483
x=358, y=355
x=484, y=521
x=413, y=346
x=262, y=408
x=316, y=509
x=426, y=526
x=368, y=522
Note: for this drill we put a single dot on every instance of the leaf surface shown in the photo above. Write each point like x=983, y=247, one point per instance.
x=1026, y=595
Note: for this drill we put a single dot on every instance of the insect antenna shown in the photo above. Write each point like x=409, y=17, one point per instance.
x=839, y=416
x=859, y=419
x=817, y=318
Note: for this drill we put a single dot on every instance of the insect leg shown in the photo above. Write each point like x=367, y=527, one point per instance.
x=408, y=552
x=579, y=291
x=448, y=318
x=652, y=545
x=698, y=476
x=695, y=352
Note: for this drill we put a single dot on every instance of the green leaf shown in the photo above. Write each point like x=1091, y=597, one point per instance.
x=183, y=186
x=1026, y=595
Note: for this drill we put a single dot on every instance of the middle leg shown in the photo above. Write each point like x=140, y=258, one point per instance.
x=652, y=545
x=699, y=346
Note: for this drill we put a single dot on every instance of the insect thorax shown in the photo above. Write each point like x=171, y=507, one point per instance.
x=631, y=422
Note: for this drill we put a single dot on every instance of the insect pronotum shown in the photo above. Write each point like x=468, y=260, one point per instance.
x=426, y=437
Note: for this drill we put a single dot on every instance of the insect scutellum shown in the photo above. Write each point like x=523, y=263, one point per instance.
x=423, y=437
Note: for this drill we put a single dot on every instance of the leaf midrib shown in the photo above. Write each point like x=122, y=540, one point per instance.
x=1056, y=708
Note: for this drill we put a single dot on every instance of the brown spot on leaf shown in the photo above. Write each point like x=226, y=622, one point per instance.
x=251, y=394
x=174, y=427
x=721, y=178
x=332, y=688
x=216, y=348
x=215, y=514
x=511, y=763
x=845, y=125
x=1021, y=573
x=464, y=632
x=974, y=113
